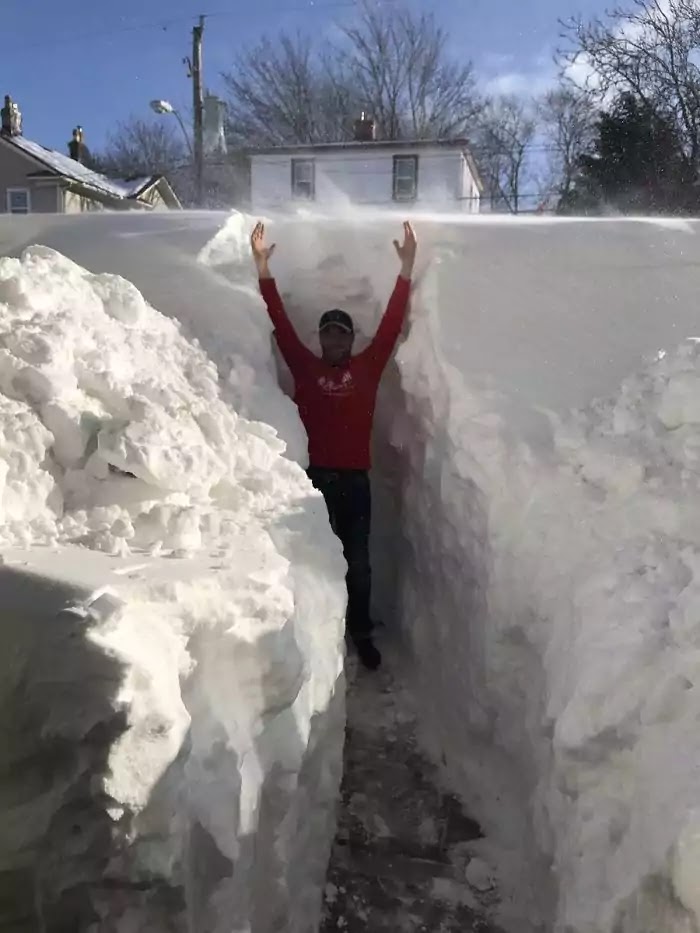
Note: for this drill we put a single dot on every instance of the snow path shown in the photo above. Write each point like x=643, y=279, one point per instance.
x=403, y=844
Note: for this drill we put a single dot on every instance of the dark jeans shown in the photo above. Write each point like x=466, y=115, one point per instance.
x=349, y=501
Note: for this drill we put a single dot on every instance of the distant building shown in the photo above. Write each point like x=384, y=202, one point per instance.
x=34, y=179
x=432, y=174
x=213, y=127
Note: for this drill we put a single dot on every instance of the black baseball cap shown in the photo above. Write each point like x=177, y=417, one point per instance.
x=336, y=318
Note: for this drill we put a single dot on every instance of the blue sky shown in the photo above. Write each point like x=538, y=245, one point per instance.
x=97, y=63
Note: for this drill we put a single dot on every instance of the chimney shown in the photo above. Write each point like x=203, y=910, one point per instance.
x=365, y=129
x=76, y=147
x=214, y=132
x=11, y=118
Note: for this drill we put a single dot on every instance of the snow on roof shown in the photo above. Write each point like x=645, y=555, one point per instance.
x=64, y=165
x=448, y=143
x=135, y=186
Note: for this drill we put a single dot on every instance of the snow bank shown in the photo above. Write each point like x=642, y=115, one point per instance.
x=547, y=589
x=172, y=599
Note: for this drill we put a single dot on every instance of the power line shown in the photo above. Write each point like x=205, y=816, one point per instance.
x=311, y=5
x=109, y=33
x=165, y=24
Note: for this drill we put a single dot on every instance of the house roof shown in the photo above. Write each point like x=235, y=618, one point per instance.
x=63, y=165
x=137, y=187
x=362, y=144
x=133, y=187
x=55, y=163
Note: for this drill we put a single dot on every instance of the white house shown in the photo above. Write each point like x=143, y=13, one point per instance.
x=433, y=174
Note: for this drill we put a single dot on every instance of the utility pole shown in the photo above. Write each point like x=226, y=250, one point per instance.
x=198, y=109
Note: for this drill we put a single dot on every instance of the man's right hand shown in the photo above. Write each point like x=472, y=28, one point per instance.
x=261, y=253
x=406, y=251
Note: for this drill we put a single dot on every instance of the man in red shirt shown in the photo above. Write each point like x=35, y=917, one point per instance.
x=336, y=395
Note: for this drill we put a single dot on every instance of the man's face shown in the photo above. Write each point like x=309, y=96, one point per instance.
x=336, y=345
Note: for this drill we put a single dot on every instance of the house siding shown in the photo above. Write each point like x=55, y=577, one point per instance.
x=365, y=177
x=155, y=199
x=72, y=203
x=469, y=188
x=13, y=174
x=75, y=203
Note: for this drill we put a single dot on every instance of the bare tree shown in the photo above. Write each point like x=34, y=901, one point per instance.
x=506, y=130
x=649, y=50
x=391, y=63
x=567, y=120
x=142, y=147
x=282, y=92
x=398, y=61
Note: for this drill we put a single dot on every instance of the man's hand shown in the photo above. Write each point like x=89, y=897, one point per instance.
x=261, y=253
x=407, y=251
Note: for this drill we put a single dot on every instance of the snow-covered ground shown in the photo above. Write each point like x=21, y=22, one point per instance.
x=540, y=564
x=171, y=699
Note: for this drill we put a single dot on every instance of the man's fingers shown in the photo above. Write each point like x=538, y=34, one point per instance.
x=397, y=247
x=272, y=249
x=408, y=234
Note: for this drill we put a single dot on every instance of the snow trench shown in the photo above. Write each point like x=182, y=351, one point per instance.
x=541, y=564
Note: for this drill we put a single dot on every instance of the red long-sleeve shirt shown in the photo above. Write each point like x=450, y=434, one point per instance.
x=336, y=403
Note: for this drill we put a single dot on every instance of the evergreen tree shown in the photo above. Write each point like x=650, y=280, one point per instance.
x=637, y=166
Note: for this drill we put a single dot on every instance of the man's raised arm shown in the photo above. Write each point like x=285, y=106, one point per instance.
x=295, y=353
x=391, y=324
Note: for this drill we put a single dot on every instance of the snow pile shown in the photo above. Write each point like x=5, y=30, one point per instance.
x=548, y=593
x=108, y=386
x=171, y=704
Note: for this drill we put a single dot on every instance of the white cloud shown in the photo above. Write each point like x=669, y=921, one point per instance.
x=582, y=73
x=533, y=78
x=497, y=61
x=520, y=83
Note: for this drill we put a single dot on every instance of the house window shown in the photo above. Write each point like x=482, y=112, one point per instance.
x=405, y=178
x=18, y=201
x=303, y=179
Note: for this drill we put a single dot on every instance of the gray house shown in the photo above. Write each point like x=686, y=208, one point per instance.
x=34, y=179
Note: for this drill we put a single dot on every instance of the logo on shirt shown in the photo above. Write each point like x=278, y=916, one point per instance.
x=337, y=385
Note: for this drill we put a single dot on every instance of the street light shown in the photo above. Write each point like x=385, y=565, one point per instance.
x=165, y=107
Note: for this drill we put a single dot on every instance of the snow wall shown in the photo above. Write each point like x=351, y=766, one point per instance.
x=172, y=599
x=540, y=564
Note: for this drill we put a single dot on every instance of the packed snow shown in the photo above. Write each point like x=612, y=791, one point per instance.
x=173, y=606
x=540, y=564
